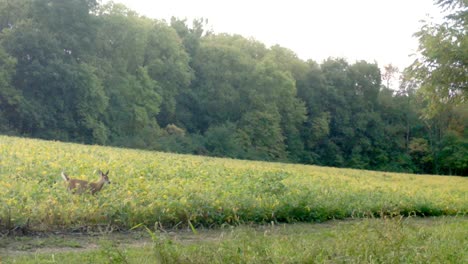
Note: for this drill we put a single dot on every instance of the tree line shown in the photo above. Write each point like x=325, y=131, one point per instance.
x=80, y=71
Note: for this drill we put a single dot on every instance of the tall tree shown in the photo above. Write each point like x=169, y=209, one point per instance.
x=63, y=97
x=190, y=36
x=134, y=97
x=10, y=98
x=275, y=86
x=291, y=107
x=70, y=21
x=442, y=64
x=168, y=63
x=222, y=71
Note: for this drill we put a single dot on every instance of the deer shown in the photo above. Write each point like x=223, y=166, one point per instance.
x=81, y=186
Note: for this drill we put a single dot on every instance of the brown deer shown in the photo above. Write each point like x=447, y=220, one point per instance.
x=81, y=186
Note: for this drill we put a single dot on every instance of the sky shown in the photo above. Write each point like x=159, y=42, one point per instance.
x=371, y=30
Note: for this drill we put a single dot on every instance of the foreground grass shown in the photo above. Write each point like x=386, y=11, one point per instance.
x=173, y=190
x=397, y=240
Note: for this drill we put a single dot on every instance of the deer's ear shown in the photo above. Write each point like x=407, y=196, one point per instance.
x=107, y=173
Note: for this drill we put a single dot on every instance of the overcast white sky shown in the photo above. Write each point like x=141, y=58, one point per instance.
x=379, y=30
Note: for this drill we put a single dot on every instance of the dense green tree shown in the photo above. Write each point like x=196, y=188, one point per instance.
x=191, y=36
x=400, y=123
x=442, y=65
x=420, y=151
x=276, y=88
x=284, y=68
x=224, y=140
x=168, y=64
x=261, y=135
x=13, y=11
x=63, y=98
x=144, y=67
x=454, y=154
x=70, y=22
x=10, y=98
x=311, y=89
x=222, y=73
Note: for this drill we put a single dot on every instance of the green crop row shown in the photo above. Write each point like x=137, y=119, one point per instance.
x=169, y=189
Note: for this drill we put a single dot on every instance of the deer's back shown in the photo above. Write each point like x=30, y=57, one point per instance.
x=78, y=185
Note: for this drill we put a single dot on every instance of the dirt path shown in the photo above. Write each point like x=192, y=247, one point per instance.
x=79, y=242
x=71, y=242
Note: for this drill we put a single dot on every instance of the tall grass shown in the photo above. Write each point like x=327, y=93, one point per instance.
x=387, y=240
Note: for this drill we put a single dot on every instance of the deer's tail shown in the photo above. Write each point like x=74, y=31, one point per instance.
x=65, y=177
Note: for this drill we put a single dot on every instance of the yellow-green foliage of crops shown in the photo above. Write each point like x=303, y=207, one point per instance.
x=149, y=187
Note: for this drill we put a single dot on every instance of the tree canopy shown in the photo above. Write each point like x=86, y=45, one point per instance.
x=75, y=70
x=441, y=68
